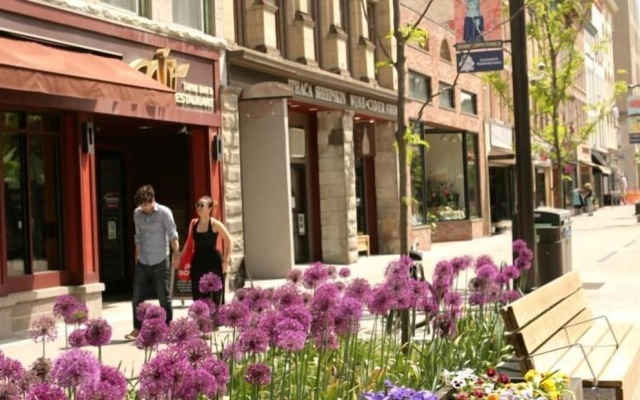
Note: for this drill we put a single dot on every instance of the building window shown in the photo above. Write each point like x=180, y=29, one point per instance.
x=281, y=27
x=344, y=15
x=30, y=175
x=315, y=13
x=194, y=14
x=468, y=103
x=445, y=51
x=371, y=22
x=131, y=5
x=447, y=98
x=445, y=180
x=419, y=86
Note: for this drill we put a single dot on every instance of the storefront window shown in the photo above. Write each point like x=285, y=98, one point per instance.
x=468, y=103
x=419, y=86
x=31, y=179
x=473, y=176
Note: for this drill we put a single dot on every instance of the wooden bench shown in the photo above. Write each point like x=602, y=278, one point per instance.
x=553, y=328
x=363, y=244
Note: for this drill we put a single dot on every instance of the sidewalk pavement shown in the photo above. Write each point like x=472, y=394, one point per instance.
x=605, y=251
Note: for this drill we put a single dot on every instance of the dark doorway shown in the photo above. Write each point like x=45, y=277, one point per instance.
x=113, y=222
x=501, y=193
x=299, y=213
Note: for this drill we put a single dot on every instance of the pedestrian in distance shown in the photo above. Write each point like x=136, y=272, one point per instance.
x=587, y=195
x=200, y=251
x=623, y=189
x=155, y=232
x=577, y=201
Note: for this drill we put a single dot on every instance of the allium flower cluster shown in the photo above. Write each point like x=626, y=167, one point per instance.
x=393, y=392
x=210, y=283
x=43, y=329
x=524, y=257
x=112, y=385
x=10, y=370
x=258, y=299
x=161, y=375
x=65, y=306
x=315, y=275
x=78, y=338
x=258, y=374
x=182, y=330
x=76, y=368
x=98, y=332
x=152, y=333
x=46, y=391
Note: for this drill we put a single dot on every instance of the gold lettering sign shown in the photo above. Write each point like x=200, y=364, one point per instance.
x=167, y=71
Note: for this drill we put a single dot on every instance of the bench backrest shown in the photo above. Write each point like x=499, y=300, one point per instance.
x=534, y=321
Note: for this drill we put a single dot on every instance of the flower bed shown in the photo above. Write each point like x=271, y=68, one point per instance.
x=322, y=335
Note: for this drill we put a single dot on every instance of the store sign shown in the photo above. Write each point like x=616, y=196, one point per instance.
x=583, y=154
x=501, y=136
x=633, y=119
x=305, y=89
x=167, y=71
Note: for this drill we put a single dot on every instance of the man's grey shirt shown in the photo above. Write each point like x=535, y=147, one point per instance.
x=153, y=233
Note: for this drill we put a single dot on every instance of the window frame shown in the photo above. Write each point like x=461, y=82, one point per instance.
x=474, y=102
x=427, y=80
x=205, y=17
x=140, y=7
x=26, y=136
x=442, y=89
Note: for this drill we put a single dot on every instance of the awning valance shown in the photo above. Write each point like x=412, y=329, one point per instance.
x=34, y=67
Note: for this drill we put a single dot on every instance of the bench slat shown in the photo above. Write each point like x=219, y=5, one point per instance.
x=624, y=367
x=535, y=334
x=527, y=308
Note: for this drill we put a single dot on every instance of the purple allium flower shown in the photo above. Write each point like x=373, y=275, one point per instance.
x=10, y=391
x=196, y=351
x=452, y=299
x=182, y=330
x=141, y=311
x=325, y=298
x=359, y=289
x=98, y=332
x=487, y=272
x=347, y=317
x=315, y=275
x=519, y=245
x=253, y=341
x=151, y=334
x=290, y=334
x=299, y=313
x=381, y=301
x=328, y=339
x=477, y=299
x=64, y=306
x=210, y=283
x=397, y=268
x=295, y=276
x=199, y=309
x=46, y=391
x=220, y=372
x=111, y=386
x=43, y=329
x=344, y=272
x=286, y=296
x=41, y=368
x=524, y=259
x=161, y=373
x=258, y=374
x=443, y=268
x=78, y=338
x=10, y=369
x=428, y=304
x=234, y=315
x=232, y=351
x=460, y=264
x=75, y=368
x=267, y=323
x=257, y=299
x=484, y=259
x=493, y=292
x=79, y=315
x=511, y=272
x=155, y=313
x=197, y=384
x=510, y=295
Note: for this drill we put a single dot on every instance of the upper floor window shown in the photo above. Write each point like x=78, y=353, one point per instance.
x=468, y=103
x=445, y=51
x=192, y=13
x=419, y=86
x=447, y=98
x=131, y=5
x=371, y=22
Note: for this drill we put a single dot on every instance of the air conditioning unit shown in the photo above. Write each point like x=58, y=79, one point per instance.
x=296, y=142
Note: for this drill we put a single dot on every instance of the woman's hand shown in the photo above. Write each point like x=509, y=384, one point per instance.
x=225, y=266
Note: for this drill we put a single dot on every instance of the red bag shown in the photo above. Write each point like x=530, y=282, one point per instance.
x=184, y=270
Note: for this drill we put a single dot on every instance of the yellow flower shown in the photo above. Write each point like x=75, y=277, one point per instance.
x=530, y=375
x=548, y=386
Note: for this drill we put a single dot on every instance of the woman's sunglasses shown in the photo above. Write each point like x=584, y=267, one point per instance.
x=201, y=205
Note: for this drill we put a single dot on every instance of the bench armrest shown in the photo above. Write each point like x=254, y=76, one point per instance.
x=584, y=354
x=615, y=339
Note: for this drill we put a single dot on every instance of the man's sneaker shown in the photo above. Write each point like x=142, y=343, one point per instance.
x=132, y=336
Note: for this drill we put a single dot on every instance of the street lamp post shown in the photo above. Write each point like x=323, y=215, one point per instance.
x=523, y=219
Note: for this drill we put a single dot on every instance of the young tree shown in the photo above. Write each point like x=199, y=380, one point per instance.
x=554, y=29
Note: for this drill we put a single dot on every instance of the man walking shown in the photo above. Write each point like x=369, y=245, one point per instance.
x=623, y=189
x=155, y=230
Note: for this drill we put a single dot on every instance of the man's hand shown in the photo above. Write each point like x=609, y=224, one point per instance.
x=175, y=261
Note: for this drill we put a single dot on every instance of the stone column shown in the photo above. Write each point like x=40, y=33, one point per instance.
x=387, y=186
x=387, y=77
x=337, y=187
x=231, y=171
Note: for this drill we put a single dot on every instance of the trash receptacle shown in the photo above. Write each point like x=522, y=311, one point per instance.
x=553, y=244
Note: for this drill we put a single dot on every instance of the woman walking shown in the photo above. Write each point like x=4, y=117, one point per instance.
x=588, y=198
x=201, y=250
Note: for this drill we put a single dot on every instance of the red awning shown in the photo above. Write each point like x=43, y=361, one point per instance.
x=33, y=67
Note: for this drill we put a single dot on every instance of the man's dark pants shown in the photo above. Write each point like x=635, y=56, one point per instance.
x=152, y=277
